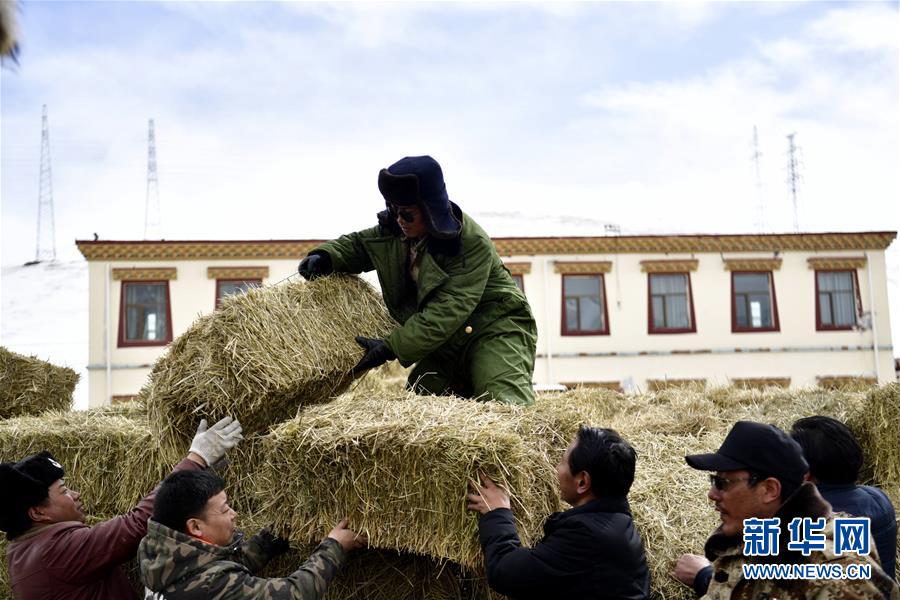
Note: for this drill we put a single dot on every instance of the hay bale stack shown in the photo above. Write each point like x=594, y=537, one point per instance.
x=875, y=425
x=893, y=492
x=668, y=501
x=107, y=457
x=261, y=355
x=29, y=386
x=382, y=575
x=399, y=467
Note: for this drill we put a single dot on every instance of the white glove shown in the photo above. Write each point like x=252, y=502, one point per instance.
x=212, y=444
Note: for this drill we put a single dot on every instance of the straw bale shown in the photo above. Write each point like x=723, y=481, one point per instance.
x=893, y=492
x=668, y=500
x=108, y=457
x=261, y=355
x=875, y=425
x=399, y=467
x=382, y=575
x=30, y=386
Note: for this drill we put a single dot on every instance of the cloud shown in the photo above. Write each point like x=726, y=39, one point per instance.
x=864, y=27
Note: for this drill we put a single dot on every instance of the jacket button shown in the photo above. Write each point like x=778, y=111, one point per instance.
x=468, y=329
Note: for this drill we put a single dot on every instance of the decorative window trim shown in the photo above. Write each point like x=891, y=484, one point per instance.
x=690, y=292
x=237, y=273
x=219, y=282
x=776, y=325
x=518, y=268
x=669, y=266
x=658, y=385
x=582, y=268
x=832, y=382
x=836, y=263
x=145, y=274
x=752, y=264
x=506, y=246
x=758, y=383
x=564, y=331
x=615, y=386
x=819, y=325
x=122, y=342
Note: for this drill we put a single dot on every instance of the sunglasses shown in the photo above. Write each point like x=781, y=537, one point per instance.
x=722, y=483
x=405, y=214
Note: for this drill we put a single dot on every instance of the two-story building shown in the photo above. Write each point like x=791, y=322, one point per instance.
x=626, y=312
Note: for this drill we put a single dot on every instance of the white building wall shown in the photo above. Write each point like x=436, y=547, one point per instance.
x=713, y=352
x=628, y=356
x=123, y=371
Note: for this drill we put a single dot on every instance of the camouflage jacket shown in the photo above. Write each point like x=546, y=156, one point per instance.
x=726, y=554
x=176, y=566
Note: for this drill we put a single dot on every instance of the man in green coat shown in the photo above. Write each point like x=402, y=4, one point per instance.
x=463, y=322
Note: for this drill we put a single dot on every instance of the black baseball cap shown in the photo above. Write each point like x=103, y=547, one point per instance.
x=756, y=447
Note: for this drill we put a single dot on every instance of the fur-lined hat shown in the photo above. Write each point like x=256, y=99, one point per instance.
x=25, y=484
x=419, y=180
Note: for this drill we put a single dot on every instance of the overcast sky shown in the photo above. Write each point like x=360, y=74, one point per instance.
x=273, y=119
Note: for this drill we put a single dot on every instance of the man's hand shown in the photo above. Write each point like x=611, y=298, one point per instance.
x=347, y=538
x=688, y=566
x=211, y=444
x=377, y=353
x=486, y=497
x=315, y=265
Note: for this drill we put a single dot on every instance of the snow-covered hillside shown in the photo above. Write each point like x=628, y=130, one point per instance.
x=44, y=312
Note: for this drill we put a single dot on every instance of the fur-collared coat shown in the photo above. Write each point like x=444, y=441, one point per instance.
x=726, y=554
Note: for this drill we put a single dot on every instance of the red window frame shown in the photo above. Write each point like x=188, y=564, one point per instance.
x=819, y=325
x=563, y=325
x=519, y=280
x=776, y=325
x=690, y=292
x=122, y=342
x=219, y=283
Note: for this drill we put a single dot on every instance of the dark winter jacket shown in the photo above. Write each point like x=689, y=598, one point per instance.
x=866, y=501
x=592, y=551
x=176, y=566
x=71, y=561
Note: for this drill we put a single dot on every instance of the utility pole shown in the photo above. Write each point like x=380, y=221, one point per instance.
x=45, y=247
x=793, y=177
x=760, y=202
x=152, y=218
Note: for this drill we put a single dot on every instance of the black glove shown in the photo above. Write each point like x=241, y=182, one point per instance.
x=315, y=265
x=377, y=353
x=271, y=543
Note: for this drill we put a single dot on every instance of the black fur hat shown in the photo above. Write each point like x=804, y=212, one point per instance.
x=22, y=485
x=419, y=180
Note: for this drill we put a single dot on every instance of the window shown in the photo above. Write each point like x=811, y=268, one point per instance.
x=584, y=305
x=229, y=287
x=671, y=305
x=753, y=306
x=519, y=280
x=837, y=299
x=145, y=316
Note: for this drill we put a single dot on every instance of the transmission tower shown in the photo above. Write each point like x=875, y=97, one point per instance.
x=793, y=179
x=45, y=247
x=152, y=218
x=760, y=203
